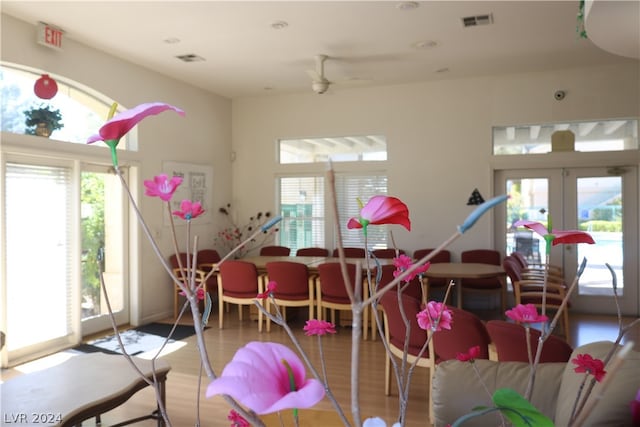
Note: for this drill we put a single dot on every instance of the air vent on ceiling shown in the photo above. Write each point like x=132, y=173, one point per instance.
x=190, y=57
x=473, y=21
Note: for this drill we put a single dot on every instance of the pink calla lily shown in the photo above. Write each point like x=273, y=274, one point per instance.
x=559, y=236
x=267, y=377
x=382, y=210
x=189, y=210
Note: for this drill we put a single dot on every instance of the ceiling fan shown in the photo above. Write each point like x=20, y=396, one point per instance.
x=319, y=82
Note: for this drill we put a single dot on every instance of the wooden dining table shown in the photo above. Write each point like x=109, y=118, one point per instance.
x=458, y=271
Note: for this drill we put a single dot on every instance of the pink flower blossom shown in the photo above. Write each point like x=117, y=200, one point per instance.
x=162, y=186
x=559, y=236
x=199, y=294
x=382, y=210
x=470, y=356
x=267, y=377
x=403, y=263
x=271, y=287
x=527, y=313
x=587, y=364
x=237, y=420
x=189, y=210
x=428, y=318
x=118, y=126
x=319, y=327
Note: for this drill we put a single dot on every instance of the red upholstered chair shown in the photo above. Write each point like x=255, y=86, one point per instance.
x=388, y=253
x=482, y=256
x=275, y=251
x=442, y=256
x=535, y=268
x=511, y=345
x=467, y=330
x=312, y=252
x=183, y=269
x=295, y=286
x=238, y=283
x=351, y=252
x=207, y=257
x=395, y=334
x=331, y=292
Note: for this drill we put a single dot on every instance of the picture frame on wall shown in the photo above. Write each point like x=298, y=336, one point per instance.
x=197, y=186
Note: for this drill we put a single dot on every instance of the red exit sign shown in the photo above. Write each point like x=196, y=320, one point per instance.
x=50, y=36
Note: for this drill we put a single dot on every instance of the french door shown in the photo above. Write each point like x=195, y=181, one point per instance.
x=601, y=201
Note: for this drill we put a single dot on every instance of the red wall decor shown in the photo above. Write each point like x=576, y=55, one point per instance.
x=45, y=87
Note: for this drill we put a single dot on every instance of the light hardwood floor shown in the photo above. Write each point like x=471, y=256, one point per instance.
x=182, y=385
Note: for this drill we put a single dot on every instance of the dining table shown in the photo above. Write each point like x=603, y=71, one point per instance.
x=458, y=271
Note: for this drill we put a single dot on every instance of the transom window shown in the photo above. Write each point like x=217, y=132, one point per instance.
x=338, y=149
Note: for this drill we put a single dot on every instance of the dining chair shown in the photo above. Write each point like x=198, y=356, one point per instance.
x=488, y=285
x=206, y=258
x=295, y=287
x=387, y=253
x=535, y=267
x=467, y=330
x=312, y=252
x=442, y=256
x=275, y=251
x=511, y=345
x=350, y=252
x=331, y=292
x=395, y=334
x=184, y=274
x=240, y=284
x=532, y=291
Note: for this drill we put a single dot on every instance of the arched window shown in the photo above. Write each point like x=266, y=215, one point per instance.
x=83, y=110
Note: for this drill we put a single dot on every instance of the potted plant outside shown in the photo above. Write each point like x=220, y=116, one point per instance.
x=42, y=121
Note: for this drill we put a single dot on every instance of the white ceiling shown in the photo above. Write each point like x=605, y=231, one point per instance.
x=368, y=42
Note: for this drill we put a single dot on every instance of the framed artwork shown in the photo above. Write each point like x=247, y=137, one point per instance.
x=197, y=186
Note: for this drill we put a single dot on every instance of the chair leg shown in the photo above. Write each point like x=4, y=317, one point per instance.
x=220, y=311
x=175, y=305
x=268, y=318
x=387, y=375
x=565, y=317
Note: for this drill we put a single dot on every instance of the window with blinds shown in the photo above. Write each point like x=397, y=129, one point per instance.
x=307, y=220
x=38, y=224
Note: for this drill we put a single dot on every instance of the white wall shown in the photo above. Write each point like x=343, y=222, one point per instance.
x=438, y=135
x=203, y=136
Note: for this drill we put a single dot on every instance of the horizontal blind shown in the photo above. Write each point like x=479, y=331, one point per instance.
x=38, y=241
x=350, y=188
x=303, y=212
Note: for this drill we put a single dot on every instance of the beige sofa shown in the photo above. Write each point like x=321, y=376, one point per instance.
x=456, y=389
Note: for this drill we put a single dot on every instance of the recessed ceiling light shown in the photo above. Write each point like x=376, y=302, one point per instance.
x=171, y=40
x=190, y=57
x=407, y=5
x=442, y=70
x=425, y=44
x=279, y=25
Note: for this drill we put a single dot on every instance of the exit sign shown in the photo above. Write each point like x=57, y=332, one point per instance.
x=49, y=36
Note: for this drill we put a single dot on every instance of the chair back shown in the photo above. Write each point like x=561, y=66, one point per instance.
x=312, y=252
x=275, y=251
x=388, y=253
x=512, y=268
x=481, y=256
x=386, y=275
x=467, y=330
x=520, y=259
x=442, y=256
x=292, y=279
x=173, y=260
x=396, y=326
x=351, y=252
x=208, y=256
x=239, y=279
x=332, y=283
x=511, y=345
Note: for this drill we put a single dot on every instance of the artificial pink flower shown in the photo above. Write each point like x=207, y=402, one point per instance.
x=271, y=287
x=470, y=356
x=189, y=210
x=587, y=364
x=267, y=377
x=403, y=263
x=118, y=126
x=237, y=420
x=559, y=236
x=162, y=186
x=428, y=318
x=527, y=313
x=319, y=327
x=199, y=294
x=382, y=210
x=635, y=410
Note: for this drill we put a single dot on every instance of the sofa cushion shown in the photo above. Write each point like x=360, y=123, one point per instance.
x=613, y=408
x=457, y=390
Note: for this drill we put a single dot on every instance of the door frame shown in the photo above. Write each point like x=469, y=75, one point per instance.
x=630, y=303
